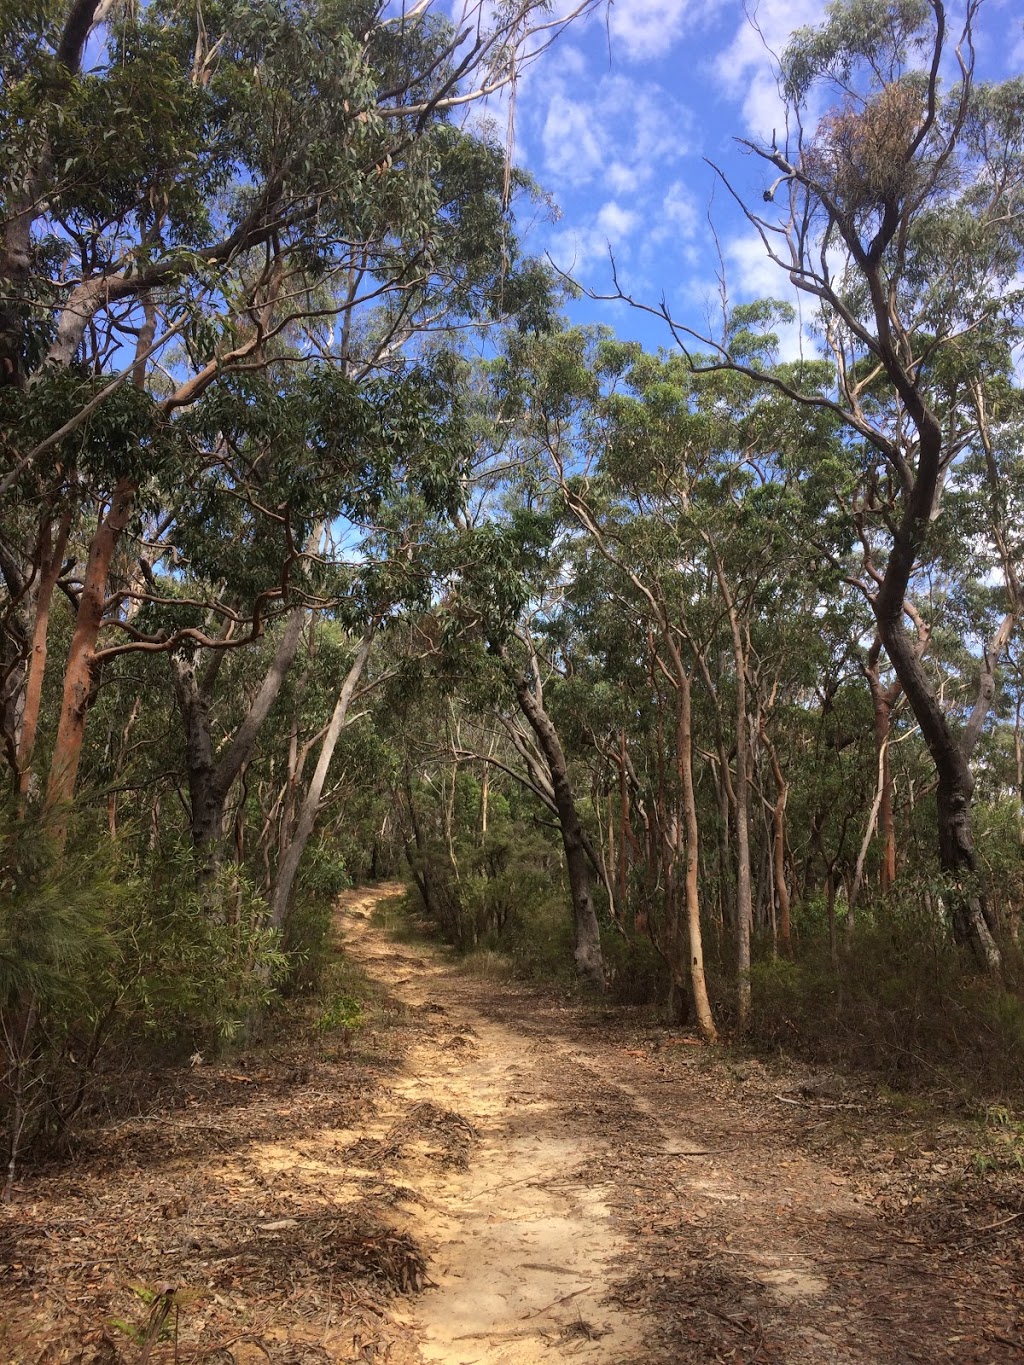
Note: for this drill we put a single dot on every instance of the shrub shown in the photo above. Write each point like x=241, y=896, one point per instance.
x=95, y=956
x=900, y=1003
x=637, y=974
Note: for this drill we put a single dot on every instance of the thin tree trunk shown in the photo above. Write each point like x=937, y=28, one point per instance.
x=586, y=934
x=239, y=750
x=883, y=699
x=876, y=805
x=625, y=830
x=207, y=811
x=210, y=778
x=744, y=905
x=288, y=867
x=779, y=843
x=702, y=1005
x=886, y=824
x=417, y=865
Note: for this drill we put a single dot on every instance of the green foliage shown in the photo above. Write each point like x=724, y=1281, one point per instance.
x=637, y=974
x=504, y=892
x=898, y=1004
x=204, y=960
x=340, y=1011
x=883, y=34
x=1004, y=1142
x=57, y=918
x=96, y=960
x=307, y=932
x=524, y=913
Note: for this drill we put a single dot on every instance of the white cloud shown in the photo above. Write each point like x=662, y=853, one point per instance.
x=619, y=131
x=616, y=222
x=750, y=274
x=577, y=249
x=622, y=179
x=678, y=215
x=758, y=277
x=748, y=67
x=642, y=29
x=611, y=231
x=574, y=143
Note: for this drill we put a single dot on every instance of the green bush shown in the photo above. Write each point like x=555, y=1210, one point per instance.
x=203, y=960
x=637, y=974
x=899, y=1003
x=99, y=956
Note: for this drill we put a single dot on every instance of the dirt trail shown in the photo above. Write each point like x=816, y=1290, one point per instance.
x=524, y=1249
x=487, y=1174
x=607, y=1177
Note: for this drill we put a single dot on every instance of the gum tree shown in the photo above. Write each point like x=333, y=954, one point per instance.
x=899, y=216
x=193, y=196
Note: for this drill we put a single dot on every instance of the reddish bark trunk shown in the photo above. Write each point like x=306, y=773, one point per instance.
x=78, y=677
x=51, y=558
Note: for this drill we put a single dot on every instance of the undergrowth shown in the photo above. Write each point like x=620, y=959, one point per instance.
x=106, y=964
x=899, y=1001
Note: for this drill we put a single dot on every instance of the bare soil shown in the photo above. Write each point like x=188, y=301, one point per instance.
x=489, y=1174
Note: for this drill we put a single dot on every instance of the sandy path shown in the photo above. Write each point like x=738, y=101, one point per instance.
x=607, y=1177
x=524, y=1250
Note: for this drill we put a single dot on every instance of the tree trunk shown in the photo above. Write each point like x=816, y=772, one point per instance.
x=280, y=895
x=883, y=699
x=779, y=844
x=955, y=789
x=50, y=559
x=210, y=779
x=955, y=782
x=886, y=826
x=207, y=810
x=726, y=881
x=78, y=678
x=744, y=904
x=239, y=750
x=702, y=1005
x=586, y=934
x=417, y=865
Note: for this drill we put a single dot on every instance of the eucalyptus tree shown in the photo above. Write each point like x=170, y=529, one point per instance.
x=500, y=582
x=903, y=223
x=898, y=217
x=200, y=197
x=689, y=492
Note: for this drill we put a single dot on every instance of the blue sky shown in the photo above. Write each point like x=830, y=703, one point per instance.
x=616, y=118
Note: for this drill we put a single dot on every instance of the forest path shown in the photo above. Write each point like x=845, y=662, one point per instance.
x=523, y=1249
x=487, y=1173
x=626, y=1204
